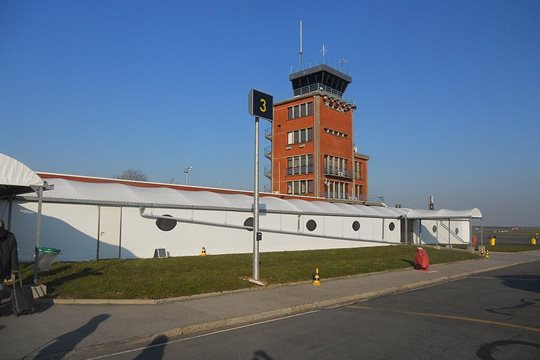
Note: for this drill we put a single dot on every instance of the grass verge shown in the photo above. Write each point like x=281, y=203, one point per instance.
x=503, y=247
x=183, y=276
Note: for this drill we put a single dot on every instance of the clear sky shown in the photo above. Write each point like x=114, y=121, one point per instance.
x=448, y=92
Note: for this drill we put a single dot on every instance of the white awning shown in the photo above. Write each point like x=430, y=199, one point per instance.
x=16, y=178
x=444, y=214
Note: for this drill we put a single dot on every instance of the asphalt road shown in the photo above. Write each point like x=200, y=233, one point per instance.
x=492, y=316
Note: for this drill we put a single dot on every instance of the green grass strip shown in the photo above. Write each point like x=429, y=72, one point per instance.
x=183, y=276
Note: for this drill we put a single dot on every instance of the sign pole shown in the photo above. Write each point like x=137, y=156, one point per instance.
x=259, y=105
x=256, y=205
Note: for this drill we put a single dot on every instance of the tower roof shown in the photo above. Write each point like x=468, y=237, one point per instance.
x=317, y=78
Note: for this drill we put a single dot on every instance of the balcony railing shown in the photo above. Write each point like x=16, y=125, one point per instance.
x=334, y=171
x=268, y=134
x=317, y=87
x=300, y=170
x=361, y=197
x=268, y=171
x=268, y=152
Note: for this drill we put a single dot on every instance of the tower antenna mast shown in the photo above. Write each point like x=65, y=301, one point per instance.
x=301, y=48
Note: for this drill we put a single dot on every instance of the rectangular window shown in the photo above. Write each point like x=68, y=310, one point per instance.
x=297, y=111
x=296, y=187
x=310, y=134
x=290, y=138
x=296, y=137
x=290, y=113
x=289, y=187
x=303, y=189
x=303, y=110
x=310, y=186
x=309, y=108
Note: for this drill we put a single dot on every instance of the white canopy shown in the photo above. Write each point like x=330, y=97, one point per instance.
x=16, y=178
x=74, y=191
x=443, y=214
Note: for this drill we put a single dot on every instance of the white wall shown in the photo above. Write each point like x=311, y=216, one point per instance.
x=75, y=230
x=436, y=231
x=70, y=228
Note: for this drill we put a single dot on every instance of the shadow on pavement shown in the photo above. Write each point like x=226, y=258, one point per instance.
x=154, y=350
x=522, y=304
x=261, y=355
x=63, y=344
x=485, y=352
x=522, y=282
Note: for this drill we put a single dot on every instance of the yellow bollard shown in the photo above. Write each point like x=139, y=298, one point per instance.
x=493, y=240
x=533, y=240
x=316, y=278
x=203, y=251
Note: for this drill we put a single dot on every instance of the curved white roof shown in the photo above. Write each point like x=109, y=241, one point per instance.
x=71, y=190
x=16, y=178
x=444, y=214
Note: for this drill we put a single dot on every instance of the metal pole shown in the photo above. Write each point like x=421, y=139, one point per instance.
x=38, y=235
x=10, y=212
x=256, y=205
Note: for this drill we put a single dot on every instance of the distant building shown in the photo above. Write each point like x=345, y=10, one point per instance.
x=313, y=151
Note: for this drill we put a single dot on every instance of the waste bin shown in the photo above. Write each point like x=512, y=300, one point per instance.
x=47, y=256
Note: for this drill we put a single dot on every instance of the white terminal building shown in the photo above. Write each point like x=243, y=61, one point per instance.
x=90, y=218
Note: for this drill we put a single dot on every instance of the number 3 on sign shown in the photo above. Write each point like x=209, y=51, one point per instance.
x=263, y=105
x=260, y=104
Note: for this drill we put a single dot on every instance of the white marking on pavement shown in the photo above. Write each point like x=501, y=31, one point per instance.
x=201, y=335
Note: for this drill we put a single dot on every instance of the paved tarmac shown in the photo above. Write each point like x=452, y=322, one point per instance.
x=80, y=330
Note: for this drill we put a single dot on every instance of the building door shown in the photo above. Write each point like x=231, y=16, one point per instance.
x=109, y=232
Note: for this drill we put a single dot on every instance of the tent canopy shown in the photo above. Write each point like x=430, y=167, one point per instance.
x=16, y=178
x=73, y=191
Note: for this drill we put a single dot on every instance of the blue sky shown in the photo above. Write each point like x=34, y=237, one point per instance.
x=448, y=92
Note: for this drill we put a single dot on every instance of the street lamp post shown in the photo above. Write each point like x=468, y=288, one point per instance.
x=187, y=169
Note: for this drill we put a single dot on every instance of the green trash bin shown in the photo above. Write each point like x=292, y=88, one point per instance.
x=47, y=256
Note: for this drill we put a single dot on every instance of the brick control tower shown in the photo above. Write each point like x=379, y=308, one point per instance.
x=313, y=151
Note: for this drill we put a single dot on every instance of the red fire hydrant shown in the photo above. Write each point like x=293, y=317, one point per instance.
x=421, y=261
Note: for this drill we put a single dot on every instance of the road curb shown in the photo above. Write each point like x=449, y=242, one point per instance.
x=55, y=301
x=222, y=324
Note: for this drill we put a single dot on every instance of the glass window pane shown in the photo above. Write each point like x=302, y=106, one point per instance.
x=297, y=111
x=310, y=134
x=297, y=187
x=290, y=139
x=296, y=137
x=310, y=186
x=310, y=108
x=290, y=113
x=303, y=111
x=289, y=187
x=303, y=187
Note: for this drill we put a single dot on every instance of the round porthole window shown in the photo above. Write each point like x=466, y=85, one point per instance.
x=311, y=225
x=356, y=225
x=391, y=226
x=457, y=231
x=249, y=224
x=434, y=228
x=165, y=224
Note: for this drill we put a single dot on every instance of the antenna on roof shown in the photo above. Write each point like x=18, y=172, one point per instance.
x=341, y=63
x=301, y=49
x=324, y=50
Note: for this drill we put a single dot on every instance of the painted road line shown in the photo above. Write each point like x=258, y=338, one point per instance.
x=451, y=317
x=199, y=336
